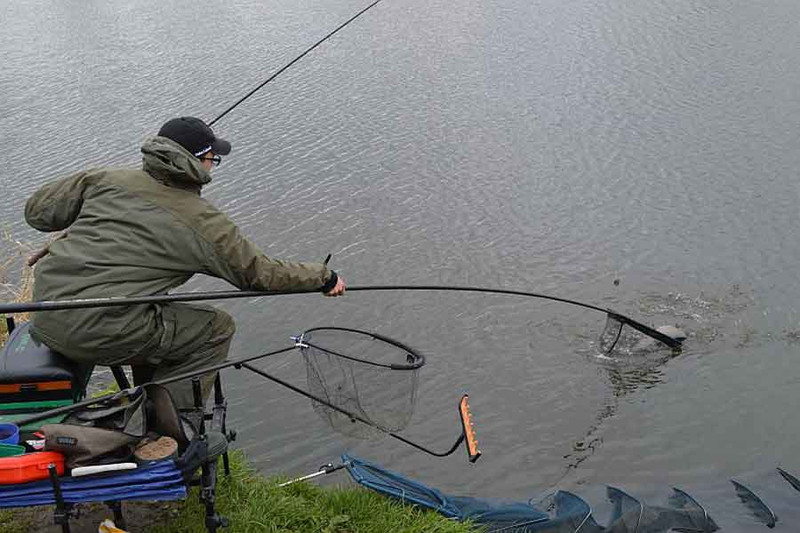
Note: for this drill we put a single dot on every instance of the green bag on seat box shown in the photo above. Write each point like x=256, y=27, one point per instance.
x=87, y=446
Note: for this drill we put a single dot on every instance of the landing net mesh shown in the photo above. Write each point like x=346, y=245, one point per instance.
x=619, y=338
x=370, y=376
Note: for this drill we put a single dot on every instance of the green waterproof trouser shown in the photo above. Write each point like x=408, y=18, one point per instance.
x=179, y=338
x=195, y=337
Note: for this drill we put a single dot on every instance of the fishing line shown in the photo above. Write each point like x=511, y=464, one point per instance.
x=293, y=61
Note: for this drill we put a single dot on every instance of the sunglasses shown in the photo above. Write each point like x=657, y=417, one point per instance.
x=215, y=160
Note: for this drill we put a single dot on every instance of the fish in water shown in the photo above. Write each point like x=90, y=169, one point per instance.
x=649, y=343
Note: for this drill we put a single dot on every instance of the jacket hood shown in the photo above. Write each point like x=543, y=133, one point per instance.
x=173, y=165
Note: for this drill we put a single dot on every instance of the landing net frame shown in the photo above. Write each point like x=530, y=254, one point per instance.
x=363, y=372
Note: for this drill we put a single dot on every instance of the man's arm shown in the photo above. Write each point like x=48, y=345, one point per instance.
x=234, y=258
x=56, y=205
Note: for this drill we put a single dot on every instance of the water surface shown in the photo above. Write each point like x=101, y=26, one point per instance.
x=546, y=146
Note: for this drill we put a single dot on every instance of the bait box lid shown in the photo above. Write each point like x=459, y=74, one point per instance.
x=29, y=467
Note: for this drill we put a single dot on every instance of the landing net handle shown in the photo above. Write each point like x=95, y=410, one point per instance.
x=467, y=435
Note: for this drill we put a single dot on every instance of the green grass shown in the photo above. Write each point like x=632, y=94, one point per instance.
x=252, y=503
x=16, y=521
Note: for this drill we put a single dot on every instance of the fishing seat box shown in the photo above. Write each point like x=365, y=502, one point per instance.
x=34, y=378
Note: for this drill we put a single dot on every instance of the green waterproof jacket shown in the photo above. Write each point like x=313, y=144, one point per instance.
x=135, y=233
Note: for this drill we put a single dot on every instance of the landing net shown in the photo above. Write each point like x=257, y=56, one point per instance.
x=622, y=336
x=365, y=374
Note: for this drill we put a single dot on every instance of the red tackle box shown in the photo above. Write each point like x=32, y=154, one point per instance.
x=29, y=467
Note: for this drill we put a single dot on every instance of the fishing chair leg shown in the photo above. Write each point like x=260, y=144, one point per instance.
x=197, y=393
x=226, y=464
x=208, y=497
x=120, y=377
x=219, y=420
x=63, y=510
x=208, y=471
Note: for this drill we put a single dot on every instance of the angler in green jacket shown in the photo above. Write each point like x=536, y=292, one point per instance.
x=132, y=232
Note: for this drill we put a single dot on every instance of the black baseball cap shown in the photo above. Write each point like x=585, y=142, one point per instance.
x=194, y=135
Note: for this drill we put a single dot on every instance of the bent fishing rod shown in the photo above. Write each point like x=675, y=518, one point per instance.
x=58, y=305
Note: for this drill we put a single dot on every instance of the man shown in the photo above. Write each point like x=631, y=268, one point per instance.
x=142, y=232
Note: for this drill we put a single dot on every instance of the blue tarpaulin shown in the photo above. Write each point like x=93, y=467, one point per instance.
x=158, y=482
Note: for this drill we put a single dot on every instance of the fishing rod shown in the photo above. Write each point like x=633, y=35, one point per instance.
x=293, y=61
x=57, y=305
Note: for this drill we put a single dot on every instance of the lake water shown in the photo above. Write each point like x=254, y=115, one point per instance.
x=551, y=146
